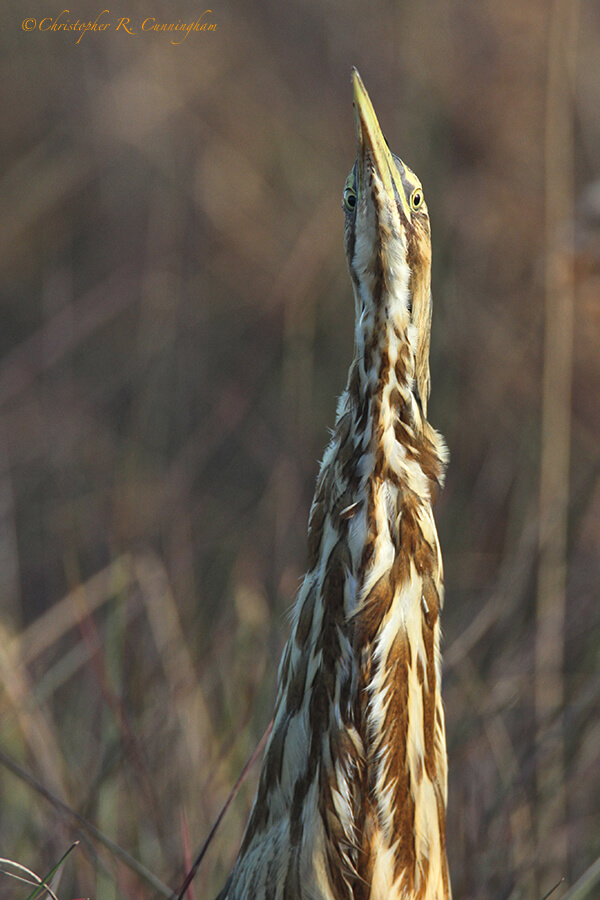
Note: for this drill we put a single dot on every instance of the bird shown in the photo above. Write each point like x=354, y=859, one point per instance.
x=352, y=793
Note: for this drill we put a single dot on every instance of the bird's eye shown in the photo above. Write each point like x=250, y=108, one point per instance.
x=349, y=198
x=416, y=199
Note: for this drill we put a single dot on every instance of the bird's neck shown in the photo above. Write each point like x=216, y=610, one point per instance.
x=384, y=407
x=351, y=798
x=367, y=623
x=393, y=319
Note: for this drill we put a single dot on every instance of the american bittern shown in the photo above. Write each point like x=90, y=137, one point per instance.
x=351, y=801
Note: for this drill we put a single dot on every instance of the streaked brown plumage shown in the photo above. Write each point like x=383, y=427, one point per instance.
x=352, y=793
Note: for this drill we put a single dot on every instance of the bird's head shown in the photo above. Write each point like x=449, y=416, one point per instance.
x=388, y=243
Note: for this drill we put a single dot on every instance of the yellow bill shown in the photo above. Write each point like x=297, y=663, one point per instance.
x=370, y=141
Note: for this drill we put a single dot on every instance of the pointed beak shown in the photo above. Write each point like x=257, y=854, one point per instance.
x=372, y=150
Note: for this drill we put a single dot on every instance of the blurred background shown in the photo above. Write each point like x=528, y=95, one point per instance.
x=176, y=325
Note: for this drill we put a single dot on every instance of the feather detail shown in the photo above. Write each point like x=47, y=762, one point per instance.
x=352, y=793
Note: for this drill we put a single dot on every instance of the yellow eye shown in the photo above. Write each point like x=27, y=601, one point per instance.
x=416, y=199
x=349, y=193
x=349, y=198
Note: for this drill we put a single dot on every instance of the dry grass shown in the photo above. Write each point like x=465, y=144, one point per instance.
x=177, y=324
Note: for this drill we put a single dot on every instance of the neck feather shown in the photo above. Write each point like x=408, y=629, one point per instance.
x=352, y=793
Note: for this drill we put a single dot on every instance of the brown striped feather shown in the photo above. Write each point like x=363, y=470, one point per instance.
x=351, y=797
